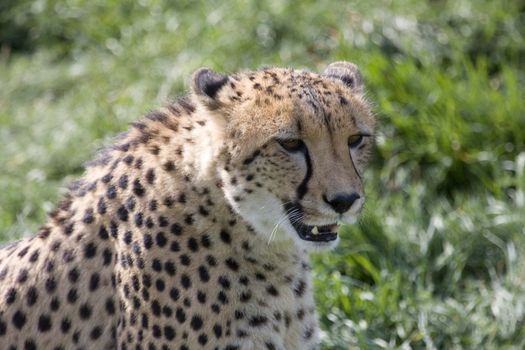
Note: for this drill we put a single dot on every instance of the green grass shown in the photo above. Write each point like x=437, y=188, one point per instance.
x=438, y=259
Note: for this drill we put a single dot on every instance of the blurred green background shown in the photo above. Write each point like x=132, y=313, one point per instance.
x=438, y=259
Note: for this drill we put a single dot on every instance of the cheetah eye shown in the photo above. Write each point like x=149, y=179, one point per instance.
x=355, y=140
x=291, y=145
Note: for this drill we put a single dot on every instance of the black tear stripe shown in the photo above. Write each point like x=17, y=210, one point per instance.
x=302, y=189
x=353, y=165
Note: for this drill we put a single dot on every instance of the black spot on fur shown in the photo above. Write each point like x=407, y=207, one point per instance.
x=196, y=322
x=138, y=189
x=176, y=229
x=19, y=319
x=225, y=237
x=44, y=323
x=257, y=321
x=122, y=213
x=90, y=250
x=150, y=176
x=32, y=296
x=251, y=158
x=232, y=264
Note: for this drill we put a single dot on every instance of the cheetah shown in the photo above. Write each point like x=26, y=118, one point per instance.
x=193, y=230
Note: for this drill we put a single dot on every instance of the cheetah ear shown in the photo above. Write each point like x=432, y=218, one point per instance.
x=206, y=84
x=348, y=73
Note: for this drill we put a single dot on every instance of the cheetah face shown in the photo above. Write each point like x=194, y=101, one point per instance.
x=293, y=149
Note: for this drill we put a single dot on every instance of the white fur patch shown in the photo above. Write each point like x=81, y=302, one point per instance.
x=266, y=214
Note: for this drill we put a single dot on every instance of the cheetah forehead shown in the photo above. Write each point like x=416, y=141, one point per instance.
x=258, y=105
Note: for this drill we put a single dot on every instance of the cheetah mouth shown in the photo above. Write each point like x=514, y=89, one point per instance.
x=311, y=233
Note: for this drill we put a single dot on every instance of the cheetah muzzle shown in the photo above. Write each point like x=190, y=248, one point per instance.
x=312, y=233
x=192, y=230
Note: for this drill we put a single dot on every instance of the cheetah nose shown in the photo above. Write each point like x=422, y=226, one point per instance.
x=341, y=202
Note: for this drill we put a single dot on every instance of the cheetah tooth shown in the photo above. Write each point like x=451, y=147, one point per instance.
x=315, y=230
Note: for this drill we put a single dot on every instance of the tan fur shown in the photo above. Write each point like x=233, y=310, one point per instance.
x=177, y=237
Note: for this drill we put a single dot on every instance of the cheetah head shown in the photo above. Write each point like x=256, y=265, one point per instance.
x=292, y=149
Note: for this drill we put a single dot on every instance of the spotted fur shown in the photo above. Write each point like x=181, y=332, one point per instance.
x=183, y=234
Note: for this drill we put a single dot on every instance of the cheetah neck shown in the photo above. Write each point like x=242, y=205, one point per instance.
x=161, y=175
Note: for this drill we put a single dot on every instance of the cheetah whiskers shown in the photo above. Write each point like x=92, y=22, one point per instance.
x=279, y=222
x=293, y=215
x=281, y=219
